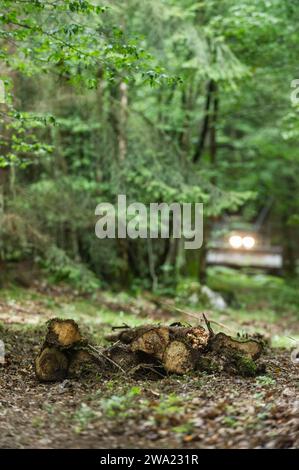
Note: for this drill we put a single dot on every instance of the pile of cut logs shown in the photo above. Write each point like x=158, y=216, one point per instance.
x=155, y=349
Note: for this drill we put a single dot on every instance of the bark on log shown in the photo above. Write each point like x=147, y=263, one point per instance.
x=80, y=362
x=51, y=365
x=134, y=363
x=221, y=343
x=121, y=357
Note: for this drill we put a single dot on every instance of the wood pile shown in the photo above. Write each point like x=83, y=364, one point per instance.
x=158, y=349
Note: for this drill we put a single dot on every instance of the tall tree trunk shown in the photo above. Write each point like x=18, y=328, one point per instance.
x=205, y=125
x=213, y=124
x=289, y=255
x=4, y=172
x=1, y=212
x=118, y=118
x=151, y=264
x=209, y=127
x=123, y=111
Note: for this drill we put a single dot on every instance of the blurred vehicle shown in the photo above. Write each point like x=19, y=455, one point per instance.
x=243, y=245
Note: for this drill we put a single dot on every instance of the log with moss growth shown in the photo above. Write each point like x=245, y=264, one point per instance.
x=181, y=349
x=222, y=343
x=51, y=365
x=237, y=356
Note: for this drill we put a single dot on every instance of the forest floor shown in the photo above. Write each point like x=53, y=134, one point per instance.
x=194, y=411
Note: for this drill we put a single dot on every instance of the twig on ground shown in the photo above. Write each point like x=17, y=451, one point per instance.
x=97, y=351
x=193, y=315
x=208, y=324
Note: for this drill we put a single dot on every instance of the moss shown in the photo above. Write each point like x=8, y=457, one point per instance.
x=208, y=364
x=245, y=366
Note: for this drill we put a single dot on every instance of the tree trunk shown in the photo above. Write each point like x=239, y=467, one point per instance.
x=213, y=123
x=123, y=111
x=289, y=255
x=205, y=125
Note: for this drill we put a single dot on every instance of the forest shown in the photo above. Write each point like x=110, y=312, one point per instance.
x=168, y=103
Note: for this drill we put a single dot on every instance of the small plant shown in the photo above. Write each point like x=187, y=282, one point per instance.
x=83, y=416
x=185, y=428
x=118, y=406
x=169, y=406
x=37, y=422
x=265, y=380
x=263, y=415
x=230, y=421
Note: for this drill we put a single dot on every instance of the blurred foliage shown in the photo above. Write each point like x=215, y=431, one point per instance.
x=164, y=101
x=254, y=291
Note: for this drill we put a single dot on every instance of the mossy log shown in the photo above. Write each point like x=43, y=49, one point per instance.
x=224, y=344
x=51, y=365
x=81, y=361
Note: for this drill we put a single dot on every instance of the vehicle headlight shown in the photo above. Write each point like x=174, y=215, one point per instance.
x=235, y=241
x=248, y=242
